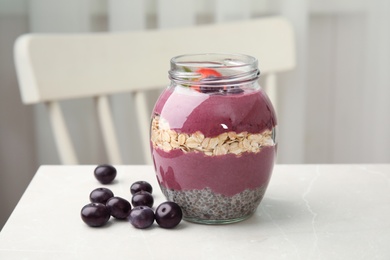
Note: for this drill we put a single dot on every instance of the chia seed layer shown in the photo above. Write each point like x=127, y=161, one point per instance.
x=206, y=205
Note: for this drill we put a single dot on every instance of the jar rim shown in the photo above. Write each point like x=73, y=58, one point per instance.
x=216, y=60
x=233, y=68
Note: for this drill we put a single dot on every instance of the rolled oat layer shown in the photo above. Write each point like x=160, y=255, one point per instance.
x=229, y=142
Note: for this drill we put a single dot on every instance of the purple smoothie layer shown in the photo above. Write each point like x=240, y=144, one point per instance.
x=226, y=174
x=188, y=112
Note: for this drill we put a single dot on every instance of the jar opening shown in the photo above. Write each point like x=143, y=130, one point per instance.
x=214, y=69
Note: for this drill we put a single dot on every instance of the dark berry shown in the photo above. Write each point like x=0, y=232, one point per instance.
x=100, y=195
x=119, y=207
x=211, y=89
x=105, y=173
x=234, y=90
x=142, y=198
x=141, y=185
x=221, y=90
x=141, y=217
x=168, y=214
x=95, y=214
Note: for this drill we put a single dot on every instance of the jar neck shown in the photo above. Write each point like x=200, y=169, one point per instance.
x=223, y=69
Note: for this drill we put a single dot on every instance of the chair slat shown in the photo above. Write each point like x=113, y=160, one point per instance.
x=184, y=14
x=231, y=10
x=65, y=16
x=108, y=129
x=143, y=118
x=126, y=15
x=61, y=135
x=271, y=89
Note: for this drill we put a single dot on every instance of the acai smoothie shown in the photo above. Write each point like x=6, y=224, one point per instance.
x=214, y=147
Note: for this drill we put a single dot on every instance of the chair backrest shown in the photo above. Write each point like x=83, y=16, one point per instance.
x=55, y=67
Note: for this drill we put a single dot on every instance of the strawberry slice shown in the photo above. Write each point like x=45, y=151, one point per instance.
x=206, y=73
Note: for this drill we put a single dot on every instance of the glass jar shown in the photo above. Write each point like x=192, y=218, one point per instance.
x=213, y=137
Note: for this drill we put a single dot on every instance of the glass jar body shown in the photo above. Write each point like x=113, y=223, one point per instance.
x=213, y=141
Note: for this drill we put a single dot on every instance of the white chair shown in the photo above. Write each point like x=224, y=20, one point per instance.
x=55, y=67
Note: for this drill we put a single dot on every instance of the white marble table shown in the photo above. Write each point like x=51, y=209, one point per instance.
x=309, y=212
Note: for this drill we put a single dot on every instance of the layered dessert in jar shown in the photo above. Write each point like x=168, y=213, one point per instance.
x=213, y=138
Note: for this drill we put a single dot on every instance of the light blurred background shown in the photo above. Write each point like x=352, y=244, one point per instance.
x=333, y=108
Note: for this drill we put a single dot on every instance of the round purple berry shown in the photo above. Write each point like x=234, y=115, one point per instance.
x=119, y=207
x=105, y=173
x=141, y=217
x=139, y=186
x=95, y=214
x=168, y=214
x=142, y=198
x=100, y=195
